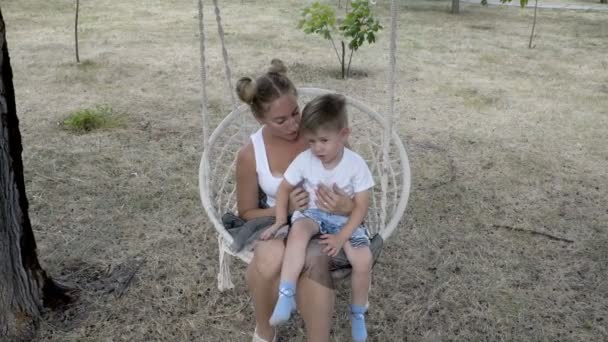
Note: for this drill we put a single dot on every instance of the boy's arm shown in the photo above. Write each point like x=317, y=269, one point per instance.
x=357, y=215
x=282, y=202
x=280, y=210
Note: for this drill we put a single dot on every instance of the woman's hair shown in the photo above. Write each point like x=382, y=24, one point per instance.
x=326, y=112
x=259, y=94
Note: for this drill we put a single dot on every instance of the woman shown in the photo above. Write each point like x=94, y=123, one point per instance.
x=260, y=165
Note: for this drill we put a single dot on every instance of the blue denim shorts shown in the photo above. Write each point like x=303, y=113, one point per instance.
x=332, y=224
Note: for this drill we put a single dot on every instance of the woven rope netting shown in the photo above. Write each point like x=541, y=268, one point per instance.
x=218, y=176
x=373, y=137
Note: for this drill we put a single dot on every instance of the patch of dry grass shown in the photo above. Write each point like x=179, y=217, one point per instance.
x=498, y=135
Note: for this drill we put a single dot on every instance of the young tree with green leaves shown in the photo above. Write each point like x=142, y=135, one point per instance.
x=357, y=27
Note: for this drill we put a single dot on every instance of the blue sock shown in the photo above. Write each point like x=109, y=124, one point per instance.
x=357, y=317
x=286, y=303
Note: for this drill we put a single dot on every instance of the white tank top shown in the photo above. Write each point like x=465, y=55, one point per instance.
x=267, y=181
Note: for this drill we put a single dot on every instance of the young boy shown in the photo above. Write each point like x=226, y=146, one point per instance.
x=325, y=123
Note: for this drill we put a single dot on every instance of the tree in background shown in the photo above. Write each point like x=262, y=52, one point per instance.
x=523, y=4
x=76, y=31
x=359, y=26
x=24, y=286
x=455, y=6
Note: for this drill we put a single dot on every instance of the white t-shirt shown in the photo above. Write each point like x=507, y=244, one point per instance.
x=351, y=174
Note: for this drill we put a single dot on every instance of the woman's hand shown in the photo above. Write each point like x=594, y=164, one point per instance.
x=334, y=200
x=298, y=199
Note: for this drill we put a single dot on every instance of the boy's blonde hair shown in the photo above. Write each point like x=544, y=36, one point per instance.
x=324, y=112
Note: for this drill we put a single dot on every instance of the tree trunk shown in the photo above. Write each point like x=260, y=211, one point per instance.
x=350, y=59
x=24, y=286
x=76, y=31
x=604, y=1
x=533, y=25
x=343, y=53
x=455, y=6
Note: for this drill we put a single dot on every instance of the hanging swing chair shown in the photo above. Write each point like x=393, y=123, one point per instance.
x=373, y=137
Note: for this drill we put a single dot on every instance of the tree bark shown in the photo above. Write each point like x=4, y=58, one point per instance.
x=76, y=31
x=24, y=285
x=455, y=6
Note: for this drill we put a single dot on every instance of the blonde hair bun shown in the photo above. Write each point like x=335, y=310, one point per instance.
x=277, y=66
x=246, y=89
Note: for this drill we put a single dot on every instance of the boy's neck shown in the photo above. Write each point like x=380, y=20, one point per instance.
x=332, y=164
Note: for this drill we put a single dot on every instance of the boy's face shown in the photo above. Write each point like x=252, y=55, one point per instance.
x=327, y=145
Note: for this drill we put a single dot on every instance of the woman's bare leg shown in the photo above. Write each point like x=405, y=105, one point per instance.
x=316, y=295
x=262, y=279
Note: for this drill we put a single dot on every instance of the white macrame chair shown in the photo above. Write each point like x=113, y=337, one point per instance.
x=373, y=136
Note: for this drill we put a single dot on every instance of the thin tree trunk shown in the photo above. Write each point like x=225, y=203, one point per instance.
x=533, y=24
x=24, y=285
x=76, y=31
x=455, y=6
x=343, y=56
x=349, y=60
x=331, y=39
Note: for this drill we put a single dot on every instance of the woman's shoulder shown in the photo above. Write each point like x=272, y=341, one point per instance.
x=246, y=155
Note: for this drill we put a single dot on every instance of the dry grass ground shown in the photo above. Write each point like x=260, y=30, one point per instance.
x=498, y=136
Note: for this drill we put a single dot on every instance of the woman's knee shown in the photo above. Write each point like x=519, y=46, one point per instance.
x=316, y=259
x=317, y=265
x=268, y=258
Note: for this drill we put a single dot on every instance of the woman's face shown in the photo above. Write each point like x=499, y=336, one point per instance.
x=283, y=117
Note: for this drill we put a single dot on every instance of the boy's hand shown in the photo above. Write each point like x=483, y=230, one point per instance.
x=271, y=231
x=333, y=244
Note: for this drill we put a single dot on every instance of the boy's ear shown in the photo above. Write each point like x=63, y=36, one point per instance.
x=345, y=132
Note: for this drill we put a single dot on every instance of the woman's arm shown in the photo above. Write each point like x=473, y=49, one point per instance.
x=334, y=200
x=247, y=187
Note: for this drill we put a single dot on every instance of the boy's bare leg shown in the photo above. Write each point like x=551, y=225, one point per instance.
x=360, y=259
x=295, y=252
x=293, y=262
